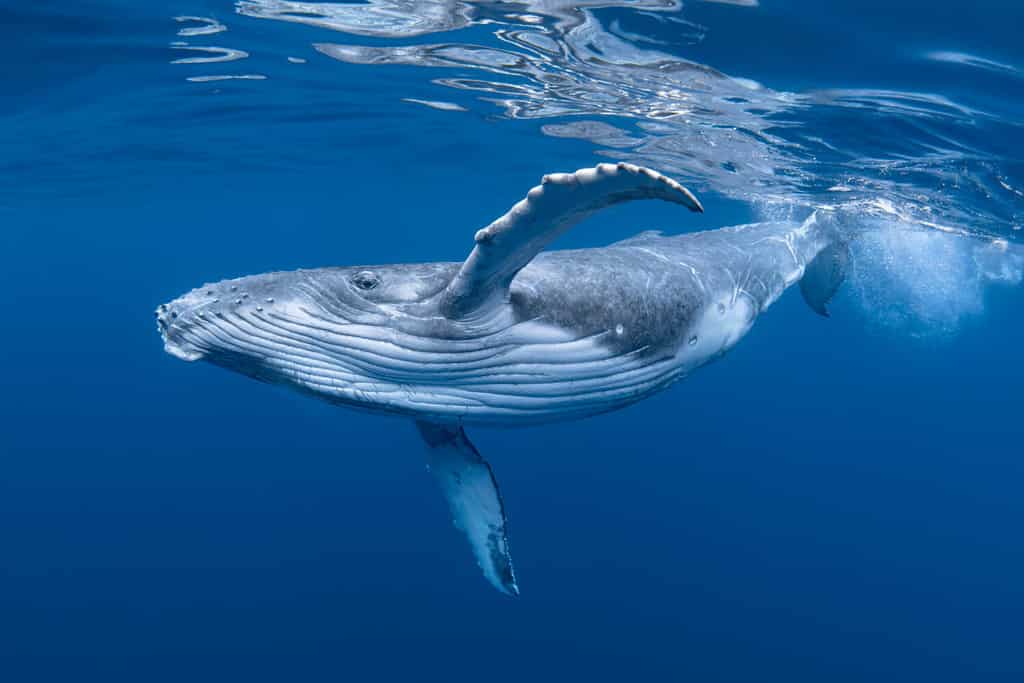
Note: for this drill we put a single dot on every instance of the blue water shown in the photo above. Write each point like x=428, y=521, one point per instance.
x=837, y=500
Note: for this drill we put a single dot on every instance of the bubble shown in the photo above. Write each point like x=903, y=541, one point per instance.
x=925, y=282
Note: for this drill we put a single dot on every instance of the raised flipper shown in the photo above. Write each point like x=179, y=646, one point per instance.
x=824, y=275
x=561, y=201
x=472, y=493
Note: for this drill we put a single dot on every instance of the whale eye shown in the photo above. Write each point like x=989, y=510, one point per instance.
x=365, y=280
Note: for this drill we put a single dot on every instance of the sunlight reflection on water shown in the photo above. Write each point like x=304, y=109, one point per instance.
x=907, y=161
x=558, y=58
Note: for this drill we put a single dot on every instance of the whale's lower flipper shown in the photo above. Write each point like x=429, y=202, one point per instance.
x=824, y=275
x=472, y=493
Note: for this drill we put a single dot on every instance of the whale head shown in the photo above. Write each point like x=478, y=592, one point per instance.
x=376, y=339
x=348, y=332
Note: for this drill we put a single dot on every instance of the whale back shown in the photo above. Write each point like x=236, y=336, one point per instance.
x=635, y=300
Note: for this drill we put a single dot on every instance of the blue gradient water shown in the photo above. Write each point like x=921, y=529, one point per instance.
x=837, y=500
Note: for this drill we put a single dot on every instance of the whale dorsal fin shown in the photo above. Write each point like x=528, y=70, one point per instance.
x=561, y=201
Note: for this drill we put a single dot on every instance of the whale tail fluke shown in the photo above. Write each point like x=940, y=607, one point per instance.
x=824, y=275
x=834, y=232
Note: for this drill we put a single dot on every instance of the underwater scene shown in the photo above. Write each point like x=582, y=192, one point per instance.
x=460, y=340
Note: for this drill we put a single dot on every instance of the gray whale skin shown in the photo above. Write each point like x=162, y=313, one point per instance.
x=513, y=335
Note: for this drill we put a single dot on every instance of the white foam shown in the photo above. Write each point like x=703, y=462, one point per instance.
x=927, y=282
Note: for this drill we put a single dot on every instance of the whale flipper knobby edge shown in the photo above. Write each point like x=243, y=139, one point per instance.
x=561, y=201
x=471, y=490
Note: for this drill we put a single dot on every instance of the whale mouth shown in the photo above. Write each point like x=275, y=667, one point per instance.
x=181, y=352
x=168, y=319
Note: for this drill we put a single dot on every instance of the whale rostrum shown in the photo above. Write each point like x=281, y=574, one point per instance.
x=514, y=335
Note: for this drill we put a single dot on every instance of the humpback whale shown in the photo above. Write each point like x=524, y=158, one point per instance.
x=514, y=335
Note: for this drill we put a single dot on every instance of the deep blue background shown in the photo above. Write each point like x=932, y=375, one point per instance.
x=832, y=502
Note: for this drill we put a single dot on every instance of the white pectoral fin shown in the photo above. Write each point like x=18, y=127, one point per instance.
x=551, y=208
x=469, y=486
